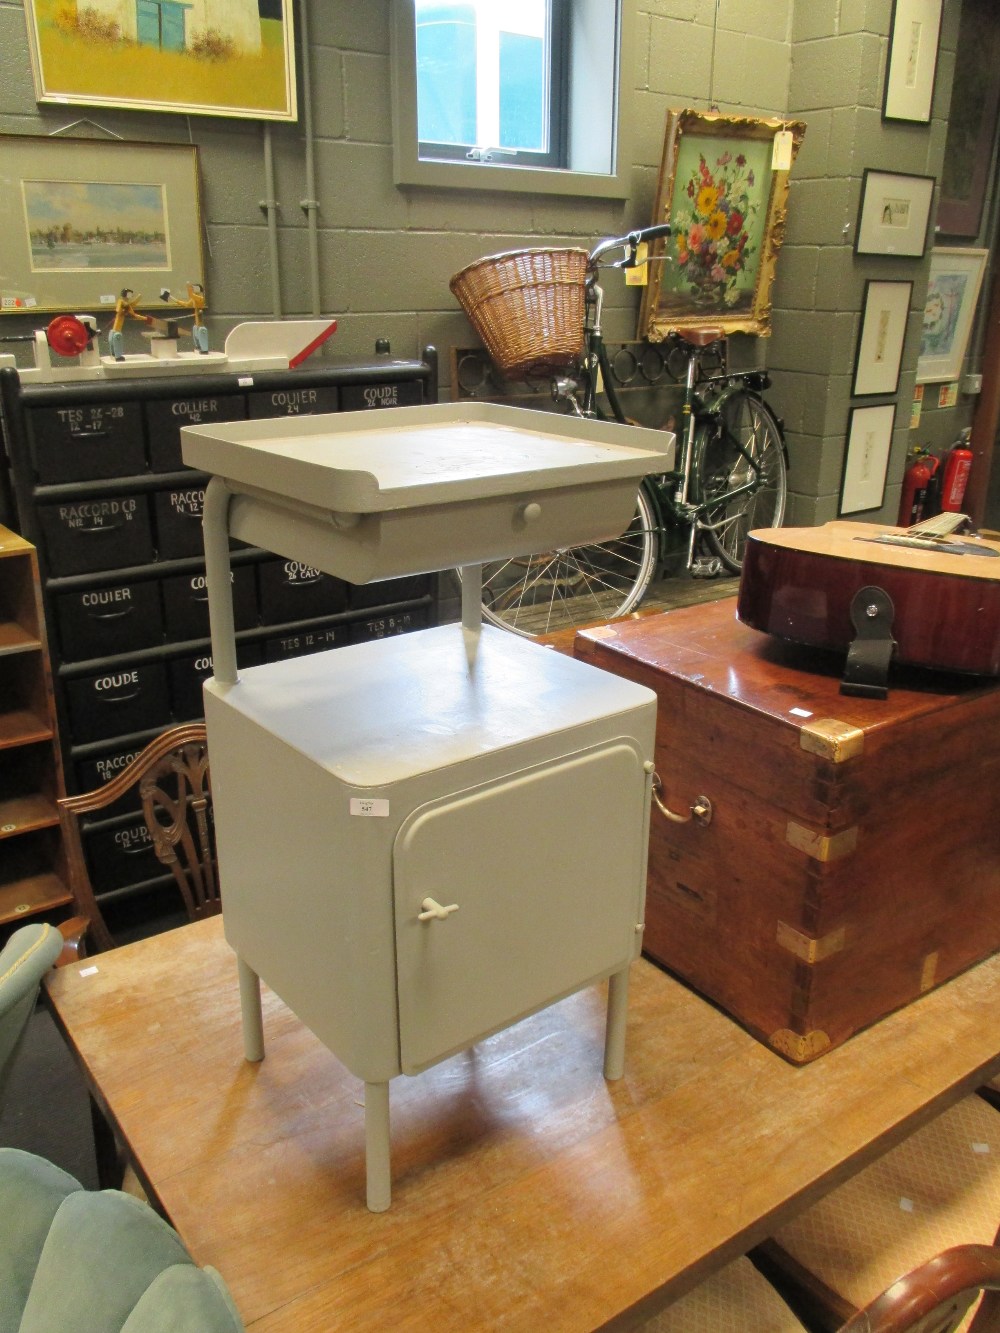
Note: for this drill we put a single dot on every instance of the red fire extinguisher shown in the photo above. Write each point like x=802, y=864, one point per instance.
x=915, y=479
x=957, y=466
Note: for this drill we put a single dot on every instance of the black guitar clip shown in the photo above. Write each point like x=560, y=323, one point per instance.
x=866, y=672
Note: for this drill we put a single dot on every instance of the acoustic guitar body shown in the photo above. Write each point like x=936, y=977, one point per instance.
x=798, y=584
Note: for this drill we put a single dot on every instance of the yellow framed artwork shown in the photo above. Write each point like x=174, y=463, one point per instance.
x=723, y=187
x=199, y=57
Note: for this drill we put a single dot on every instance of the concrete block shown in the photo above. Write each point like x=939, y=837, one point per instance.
x=328, y=93
x=817, y=18
x=367, y=110
x=865, y=16
x=818, y=210
x=871, y=69
x=795, y=277
x=680, y=58
x=238, y=279
x=649, y=126
x=350, y=27
x=814, y=151
x=827, y=72
x=752, y=72
x=768, y=19
x=839, y=283
x=355, y=188
x=813, y=341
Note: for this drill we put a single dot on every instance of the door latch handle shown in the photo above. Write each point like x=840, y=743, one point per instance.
x=433, y=911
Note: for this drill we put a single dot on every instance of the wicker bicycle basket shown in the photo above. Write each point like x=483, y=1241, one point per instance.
x=527, y=306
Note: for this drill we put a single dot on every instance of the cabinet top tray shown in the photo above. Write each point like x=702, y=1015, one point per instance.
x=409, y=457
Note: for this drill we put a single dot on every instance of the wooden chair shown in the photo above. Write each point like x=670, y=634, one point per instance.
x=174, y=783
x=938, y=1189
x=933, y=1298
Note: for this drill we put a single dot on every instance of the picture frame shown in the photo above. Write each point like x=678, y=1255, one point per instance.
x=953, y=286
x=866, y=459
x=187, y=56
x=911, y=64
x=972, y=123
x=84, y=218
x=879, y=353
x=894, y=214
x=720, y=189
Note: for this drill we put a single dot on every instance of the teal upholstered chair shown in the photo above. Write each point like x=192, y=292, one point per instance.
x=24, y=960
x=96, y=1262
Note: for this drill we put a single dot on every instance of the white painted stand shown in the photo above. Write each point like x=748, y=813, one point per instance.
x=353, y=789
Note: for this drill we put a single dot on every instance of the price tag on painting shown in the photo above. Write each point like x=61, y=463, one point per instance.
x=781, y=155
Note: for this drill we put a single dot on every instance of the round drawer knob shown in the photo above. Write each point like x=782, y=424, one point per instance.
x=530, y=512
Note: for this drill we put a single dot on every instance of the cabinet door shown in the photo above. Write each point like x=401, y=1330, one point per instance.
x=546, y=868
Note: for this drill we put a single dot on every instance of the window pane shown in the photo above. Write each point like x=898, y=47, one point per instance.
x=446, y=73
x=522, y=91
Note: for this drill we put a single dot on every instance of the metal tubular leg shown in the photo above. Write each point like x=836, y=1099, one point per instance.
x=614, y=1037
x=472, y=609
x=253, y=1019
x=377, y=1169
x=215, y=524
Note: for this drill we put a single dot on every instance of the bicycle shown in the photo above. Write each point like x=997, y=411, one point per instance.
x=538, y=313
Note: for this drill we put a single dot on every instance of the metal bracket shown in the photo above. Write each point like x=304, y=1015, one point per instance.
x=866, y=671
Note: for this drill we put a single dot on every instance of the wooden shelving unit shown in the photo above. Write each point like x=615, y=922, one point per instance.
x=32, y=865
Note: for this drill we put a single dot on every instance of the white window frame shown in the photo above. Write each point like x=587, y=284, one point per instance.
x=587, y=141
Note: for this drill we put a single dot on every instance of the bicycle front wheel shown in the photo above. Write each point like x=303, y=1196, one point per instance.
x=575, y=586
x=739, y=446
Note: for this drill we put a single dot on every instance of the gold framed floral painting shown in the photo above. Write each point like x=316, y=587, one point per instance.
x=723, y=187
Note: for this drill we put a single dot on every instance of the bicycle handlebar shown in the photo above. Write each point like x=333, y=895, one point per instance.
x=630, y=244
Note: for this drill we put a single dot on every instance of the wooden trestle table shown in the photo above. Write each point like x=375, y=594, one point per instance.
x=529, y=1193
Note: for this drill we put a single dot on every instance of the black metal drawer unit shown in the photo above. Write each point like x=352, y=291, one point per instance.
x=98, y=485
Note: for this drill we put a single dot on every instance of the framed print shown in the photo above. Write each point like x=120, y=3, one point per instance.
x=880, y=340
x=199, y=57
x=726, y=201
x=952, y=292
x=84, y=218
x=869, y=435
x=912, y=62
x=972, y=122
x=894, y=215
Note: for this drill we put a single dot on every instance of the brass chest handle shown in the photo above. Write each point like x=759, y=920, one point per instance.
x=700, y=812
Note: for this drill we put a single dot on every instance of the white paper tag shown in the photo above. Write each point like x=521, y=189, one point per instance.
x=244, y=381
x=800, y=712
x=87, y=971
x=781, y=155
x=980, y=1147
x=906, y=1205
x=369, y=807
x=108, y=300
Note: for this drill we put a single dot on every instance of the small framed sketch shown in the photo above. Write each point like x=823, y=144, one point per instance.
x=869, y=435
x=895, y=214
x=952, y=292
x=880, y=341
x=912, y=63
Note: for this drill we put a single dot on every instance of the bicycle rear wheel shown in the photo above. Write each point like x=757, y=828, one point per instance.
x=741, y=442
x=555, y=590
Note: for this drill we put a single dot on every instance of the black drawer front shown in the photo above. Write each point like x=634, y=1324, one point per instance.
x=290, y=590
x=384, y=627
x=292, y=402
x=189, y=673
x=120, y=856
x=178, y=522
x=84, y=536
x=166, y=417
x=103, y=621
x=366, y=397
x=95, y=773
x=185, y=603
x=390, y=590
x=117, y=702
x=85, y=442
x=303, y=641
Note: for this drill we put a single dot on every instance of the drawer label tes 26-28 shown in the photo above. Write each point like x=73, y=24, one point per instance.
x=372, y=807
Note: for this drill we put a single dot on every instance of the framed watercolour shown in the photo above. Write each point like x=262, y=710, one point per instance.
x=895, y=213
x=198, y=57
x=880, y=340
x=869, y=435
x=723, y=187
x=84, y=218
x=952, y=292
x=912, y=62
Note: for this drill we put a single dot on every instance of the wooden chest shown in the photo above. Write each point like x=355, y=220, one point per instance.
x=852, y=859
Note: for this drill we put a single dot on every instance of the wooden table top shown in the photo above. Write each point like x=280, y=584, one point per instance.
x=528, y=1193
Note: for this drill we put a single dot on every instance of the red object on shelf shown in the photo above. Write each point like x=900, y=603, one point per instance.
x=957, y=467
x=67, y=335
x=911, y=502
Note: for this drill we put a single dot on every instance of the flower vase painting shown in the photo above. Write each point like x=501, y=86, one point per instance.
x=723, y=188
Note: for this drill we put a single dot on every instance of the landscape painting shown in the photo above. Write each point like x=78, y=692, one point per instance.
x=199, y=57
x=74, y=225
